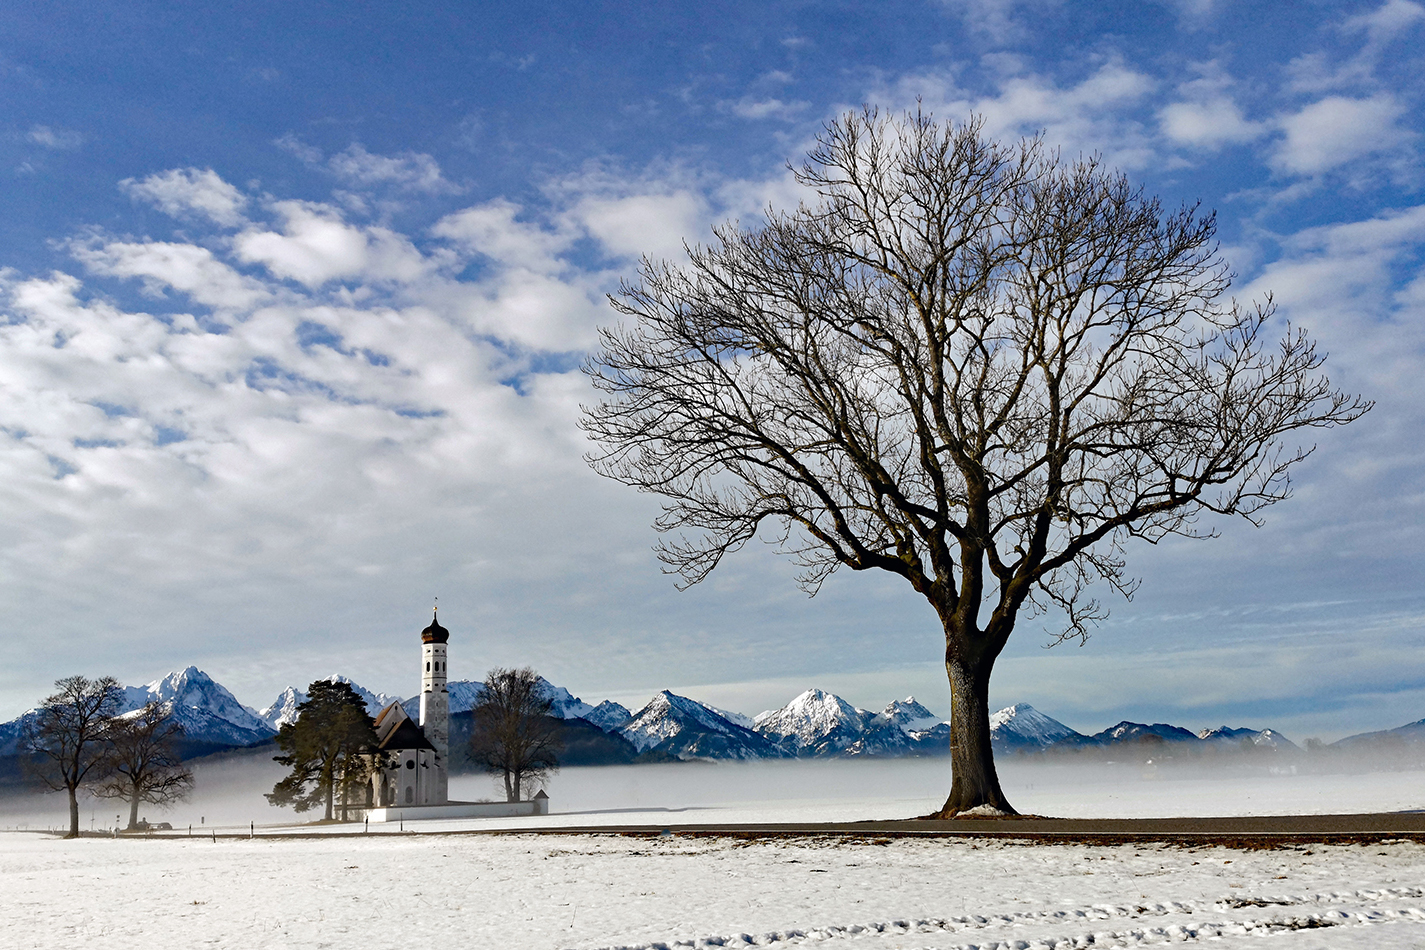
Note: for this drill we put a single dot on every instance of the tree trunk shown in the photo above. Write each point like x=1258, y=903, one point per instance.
x=329, y=800
x=73, y=812
x=976, y=785
x=512, y=786
x=133, y=807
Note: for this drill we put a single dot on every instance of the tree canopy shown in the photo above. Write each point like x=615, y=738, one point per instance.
x=142, y=763
x=513, y=732
x=68, y=734
x=329, y=747
x=976, y=366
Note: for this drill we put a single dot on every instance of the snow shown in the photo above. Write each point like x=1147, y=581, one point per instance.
x=284, y=709
x=812, y=717
x=1022, y=725
x=587, y=891
x=201, y=705
x=583, y=892
x=667, y=715
x=608, y=715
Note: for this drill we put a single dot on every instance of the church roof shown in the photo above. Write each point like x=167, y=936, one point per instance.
x=435, y=633
x=406, y=735
x=388, y=719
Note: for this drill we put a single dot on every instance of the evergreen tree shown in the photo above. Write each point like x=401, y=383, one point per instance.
x=329, y=749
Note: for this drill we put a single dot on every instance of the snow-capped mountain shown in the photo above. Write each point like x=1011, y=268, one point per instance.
x=1261, y=738
x=465, y=694
x=909, y=715
x=566, y=705
x=284, y=709
x=205, y=708
x=12, y=732
x=609, y=716
x=1142, y=732
x=687, y=729
x=1021, y=727
x=816, y=723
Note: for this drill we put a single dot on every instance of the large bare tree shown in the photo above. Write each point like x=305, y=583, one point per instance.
x=973, y=365
x=513, y=731
x=143, y=764
x=68, y=735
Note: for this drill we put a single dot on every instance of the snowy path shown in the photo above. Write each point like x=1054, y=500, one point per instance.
x=594, y=891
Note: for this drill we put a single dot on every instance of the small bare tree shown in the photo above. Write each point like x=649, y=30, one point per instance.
x=975, y=366
x=142, y=762
x=68, y=735
x=514, y=734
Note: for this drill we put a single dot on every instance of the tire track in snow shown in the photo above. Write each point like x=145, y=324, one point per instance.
x=1194, y=930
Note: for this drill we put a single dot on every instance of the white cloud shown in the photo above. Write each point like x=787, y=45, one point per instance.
x=60, y=140
x=356, y=167
x=493, y=230
x=414, y=171
x=999, y=20
x=1337, y=130
x=1092, y=115
x=749, y=107
x=1386, y=22
x=315, y=245
x=1209, y=124
x=187, y=268
x=186, y=192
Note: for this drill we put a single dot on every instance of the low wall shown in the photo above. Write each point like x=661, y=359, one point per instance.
x=452, y=810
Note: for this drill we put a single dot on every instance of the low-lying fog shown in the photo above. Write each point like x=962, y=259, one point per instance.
x=229, y=792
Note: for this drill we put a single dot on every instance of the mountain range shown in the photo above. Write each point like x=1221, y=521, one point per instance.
x=814, y=724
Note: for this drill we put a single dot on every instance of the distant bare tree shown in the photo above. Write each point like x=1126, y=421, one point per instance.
x=143, y=764
x=974, y=366
x=513, y=733
x=68, y=734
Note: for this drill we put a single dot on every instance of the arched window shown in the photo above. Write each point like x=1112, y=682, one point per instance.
x=427, y=666
x=410, y=794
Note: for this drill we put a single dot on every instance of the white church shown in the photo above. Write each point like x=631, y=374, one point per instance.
x=418, y=756
x=414, y=781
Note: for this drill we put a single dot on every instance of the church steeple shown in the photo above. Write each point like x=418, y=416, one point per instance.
x=435, y=702
x=435, y=633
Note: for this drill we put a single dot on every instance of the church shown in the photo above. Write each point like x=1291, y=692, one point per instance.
x=411, y=779
x=416, y=756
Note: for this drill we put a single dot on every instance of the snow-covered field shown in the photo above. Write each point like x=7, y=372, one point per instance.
x=588, y=891
x=592, y=891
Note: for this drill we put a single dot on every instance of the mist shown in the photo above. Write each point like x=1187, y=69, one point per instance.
x=229, y=791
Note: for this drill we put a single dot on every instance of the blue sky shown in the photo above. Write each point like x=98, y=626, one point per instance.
x=293, y=297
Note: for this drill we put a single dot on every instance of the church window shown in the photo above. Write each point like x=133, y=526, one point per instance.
x=427, y=666
x=410, y=794
x=410, y=763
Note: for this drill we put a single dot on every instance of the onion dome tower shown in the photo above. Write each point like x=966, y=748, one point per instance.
x=435, y=703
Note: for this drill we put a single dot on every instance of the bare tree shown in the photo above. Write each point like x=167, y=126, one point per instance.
x=513, y=733
x=143, y=764
x=975, y=366
x=68, y=734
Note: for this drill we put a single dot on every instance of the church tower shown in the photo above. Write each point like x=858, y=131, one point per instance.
x=435, y=705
